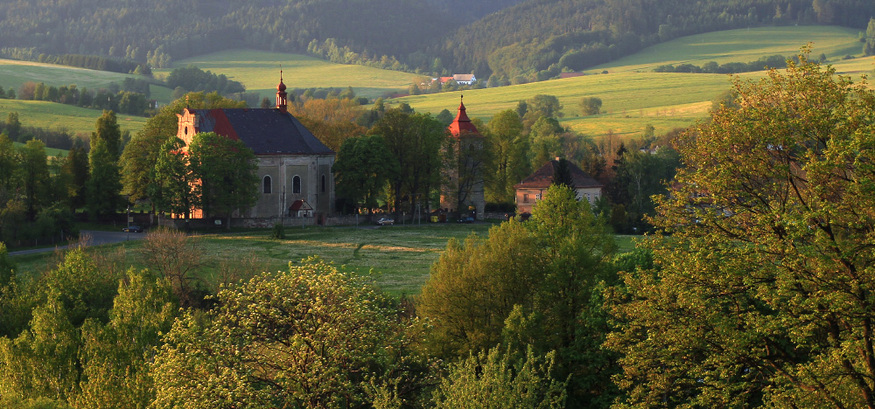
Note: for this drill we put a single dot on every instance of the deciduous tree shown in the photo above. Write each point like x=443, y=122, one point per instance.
x=224, y=171
x=763, y=291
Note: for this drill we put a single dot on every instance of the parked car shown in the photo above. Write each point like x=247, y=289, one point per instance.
x=385, y=221
x=132, y=229
x=466, y=219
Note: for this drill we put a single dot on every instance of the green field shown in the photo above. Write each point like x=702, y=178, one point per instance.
x=259, y=71
x=743, y=45
x=49, y=151
x=634, y=96
x=78, y=121
x=399, y=256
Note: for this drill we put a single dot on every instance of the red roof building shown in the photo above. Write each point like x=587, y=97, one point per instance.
x=463, y=185
x=532, y=188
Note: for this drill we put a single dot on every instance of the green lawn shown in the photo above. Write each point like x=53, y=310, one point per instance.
x=399, y=256
x=259, y=71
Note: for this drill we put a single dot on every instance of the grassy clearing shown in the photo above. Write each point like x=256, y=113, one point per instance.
x=49, y=151
x=259, y=72
x=49, y=115
x=399, y=257
x=13, y=73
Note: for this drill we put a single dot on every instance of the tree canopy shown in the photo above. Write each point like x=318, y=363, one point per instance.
x=763, y=290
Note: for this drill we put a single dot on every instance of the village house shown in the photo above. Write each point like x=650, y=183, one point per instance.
x=461, y=79
x=294, y=167
x=532, y=188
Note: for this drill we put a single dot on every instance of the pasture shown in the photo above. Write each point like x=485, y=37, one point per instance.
x=259, y=72
x=398, y=257
x=77, y=121
x=634, y=96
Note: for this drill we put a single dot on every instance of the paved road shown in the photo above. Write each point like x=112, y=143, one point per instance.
x=96, y=238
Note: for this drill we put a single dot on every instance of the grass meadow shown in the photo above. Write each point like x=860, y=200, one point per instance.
x=259, y=71
x=77, y=121
x=398, y=257
x=634, y=96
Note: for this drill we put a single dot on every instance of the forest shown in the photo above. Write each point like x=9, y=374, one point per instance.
x=518, y=41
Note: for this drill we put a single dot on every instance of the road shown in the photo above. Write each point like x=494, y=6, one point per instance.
x=96, y=237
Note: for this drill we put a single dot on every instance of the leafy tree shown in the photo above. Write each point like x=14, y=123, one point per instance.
x=109, y=133
x=76, y=166
x=530, y=284
x=590, y=105
x=225, y=173
x=34, y=170
x=494, y=380
x=141, y=153
x=7, y=267
x=414, y=141
x=869, y=45
x=8, y=165
x=326, y=331
x=362, y=169
x=762, y=292
x=508, y=164
x=115, y=356
x=172, y=190
x=13, y=126
x=103, y=187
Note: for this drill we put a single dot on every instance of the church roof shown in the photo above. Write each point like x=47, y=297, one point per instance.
x=543, y=177
x=265, y=131
x=462, y=124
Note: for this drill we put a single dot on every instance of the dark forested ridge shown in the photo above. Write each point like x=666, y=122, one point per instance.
x=551, y=35
x=518, y=40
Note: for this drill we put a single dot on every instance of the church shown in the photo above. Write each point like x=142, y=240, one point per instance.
x=294, y=167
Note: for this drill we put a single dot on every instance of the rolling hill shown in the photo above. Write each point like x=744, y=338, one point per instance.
x=634, y=96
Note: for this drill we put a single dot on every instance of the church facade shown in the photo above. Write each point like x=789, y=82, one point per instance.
x=294, y=167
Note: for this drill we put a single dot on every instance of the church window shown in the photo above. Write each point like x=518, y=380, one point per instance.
x=323, y=183
x=296, y=184
x=266, y=183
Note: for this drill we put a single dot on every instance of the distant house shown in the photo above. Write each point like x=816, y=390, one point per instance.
x=532, y=188
x=294, y=167
x=461, y=79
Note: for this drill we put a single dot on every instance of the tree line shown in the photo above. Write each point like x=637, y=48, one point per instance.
x=520, y=42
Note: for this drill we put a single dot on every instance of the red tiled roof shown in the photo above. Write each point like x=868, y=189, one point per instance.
x=543, y=177
x=462, y=124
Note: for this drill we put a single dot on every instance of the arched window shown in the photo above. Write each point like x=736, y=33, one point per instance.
x=323, y=183
x=296, y=184
x=267, y=188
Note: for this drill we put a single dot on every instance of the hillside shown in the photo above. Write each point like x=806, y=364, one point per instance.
x=519, y=41
x=634, y=96
x=52, y=116
x=259, y=72
x=538, y=38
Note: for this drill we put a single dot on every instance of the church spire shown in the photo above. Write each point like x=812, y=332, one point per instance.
x=281, y=96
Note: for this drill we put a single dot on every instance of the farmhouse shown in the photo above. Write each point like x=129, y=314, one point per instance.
x=461, y=79
x=294, y=167
x=531, y=189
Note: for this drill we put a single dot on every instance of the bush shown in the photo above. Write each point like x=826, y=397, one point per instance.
x=278, y=232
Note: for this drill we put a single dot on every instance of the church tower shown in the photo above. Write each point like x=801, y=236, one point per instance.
x=281, y=97
x=462, y=189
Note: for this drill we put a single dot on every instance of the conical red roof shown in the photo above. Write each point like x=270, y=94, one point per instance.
x=462, y=124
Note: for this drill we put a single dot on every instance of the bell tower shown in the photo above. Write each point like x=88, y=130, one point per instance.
x=281, y=97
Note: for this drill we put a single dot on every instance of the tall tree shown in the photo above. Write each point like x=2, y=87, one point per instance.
x=109, y=132
x=172, y=190
x=35, y=176
x=763, y=295
x=361, y=170
x=224, y=170
x=414, y=140
x=103, y=187
x=508, y=165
